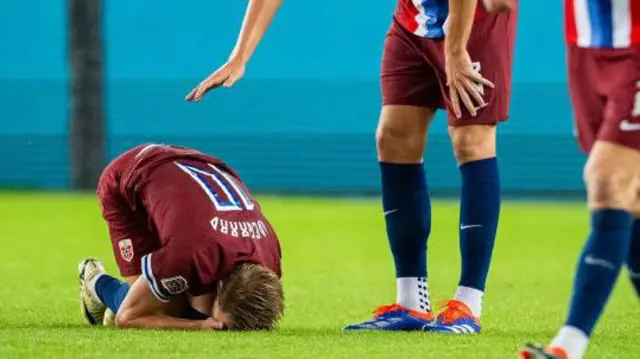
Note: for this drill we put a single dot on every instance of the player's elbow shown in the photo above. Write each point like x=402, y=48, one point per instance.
x=125, y=319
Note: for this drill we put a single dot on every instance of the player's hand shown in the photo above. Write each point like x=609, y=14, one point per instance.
x=499, y=5
x=225, y=76
x=212, y=324
x=465, y=83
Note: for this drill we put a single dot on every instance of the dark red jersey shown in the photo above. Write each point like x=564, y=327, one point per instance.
x=183, y=219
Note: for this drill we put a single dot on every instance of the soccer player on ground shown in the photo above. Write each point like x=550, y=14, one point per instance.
x=256, y=21
x=193, y=246
x=437, y=54
x=604, y=80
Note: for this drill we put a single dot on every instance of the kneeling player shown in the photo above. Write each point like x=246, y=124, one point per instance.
x=192, y=244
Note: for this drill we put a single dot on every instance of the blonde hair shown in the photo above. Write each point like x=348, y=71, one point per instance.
x=252, y=297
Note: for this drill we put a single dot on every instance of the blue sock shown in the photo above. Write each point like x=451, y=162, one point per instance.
x=602, y=257
x=634, y=257
x=479, y=213
x=407, y=208
x=111, y=291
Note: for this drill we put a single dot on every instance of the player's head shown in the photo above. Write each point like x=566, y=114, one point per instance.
x=250, y=298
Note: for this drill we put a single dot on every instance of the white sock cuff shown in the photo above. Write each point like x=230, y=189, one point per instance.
x=472, y=298
x=573, y=340
x=413, y=293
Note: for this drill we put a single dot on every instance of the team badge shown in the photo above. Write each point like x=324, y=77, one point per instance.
x=175, y=285
x=126, y=249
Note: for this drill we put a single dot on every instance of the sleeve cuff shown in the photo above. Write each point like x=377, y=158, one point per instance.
x=147, y=271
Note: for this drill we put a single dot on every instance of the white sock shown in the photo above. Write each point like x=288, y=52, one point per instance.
x=413, y=293
x=573, y=340
x=472, y=298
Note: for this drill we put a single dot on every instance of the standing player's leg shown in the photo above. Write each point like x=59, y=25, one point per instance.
x=474, y=144
x=410, y=96
x=401, y=139
x=611, y=176
x=475, y=151
x=633, y=262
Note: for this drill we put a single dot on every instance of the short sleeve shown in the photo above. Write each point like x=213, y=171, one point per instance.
x=168, y=272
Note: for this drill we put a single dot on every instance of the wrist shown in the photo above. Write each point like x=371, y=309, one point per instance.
x=238, y=55
x=454, y=49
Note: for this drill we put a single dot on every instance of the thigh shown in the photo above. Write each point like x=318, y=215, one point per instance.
x=407, y=77
x=491, y=46
x=588, y=104
x=128, y=229
x=620, y=78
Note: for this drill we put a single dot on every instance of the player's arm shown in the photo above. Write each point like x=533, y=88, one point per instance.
x=257, y=19
x=462, y=79
x=460, y=22
x=142, y=310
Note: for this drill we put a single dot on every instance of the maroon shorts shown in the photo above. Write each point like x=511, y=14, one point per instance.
x=605, y=92
x=413, y=68
x=129, y=230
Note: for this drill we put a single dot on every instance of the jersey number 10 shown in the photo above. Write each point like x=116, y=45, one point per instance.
x=222, y=189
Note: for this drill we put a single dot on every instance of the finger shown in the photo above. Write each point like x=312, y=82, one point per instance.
x=200, y=91
x=477, y=78
x=475, y=91
x=508, y=5
x=206, y=87
x=190, y=95
x=455, y=102
x=488, y=4
x=466, y=100
x=230, y=81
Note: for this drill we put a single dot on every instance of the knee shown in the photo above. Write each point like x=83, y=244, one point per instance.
x=473, y=143
x=399, y=144
x=610, y=187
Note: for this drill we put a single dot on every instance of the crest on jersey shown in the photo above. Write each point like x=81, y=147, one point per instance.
x=175, y=285
x=126, y=249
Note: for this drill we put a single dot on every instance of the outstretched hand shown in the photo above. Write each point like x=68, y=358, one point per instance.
x=226, y=76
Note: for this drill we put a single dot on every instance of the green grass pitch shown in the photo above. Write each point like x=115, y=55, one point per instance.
x=336, y=270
